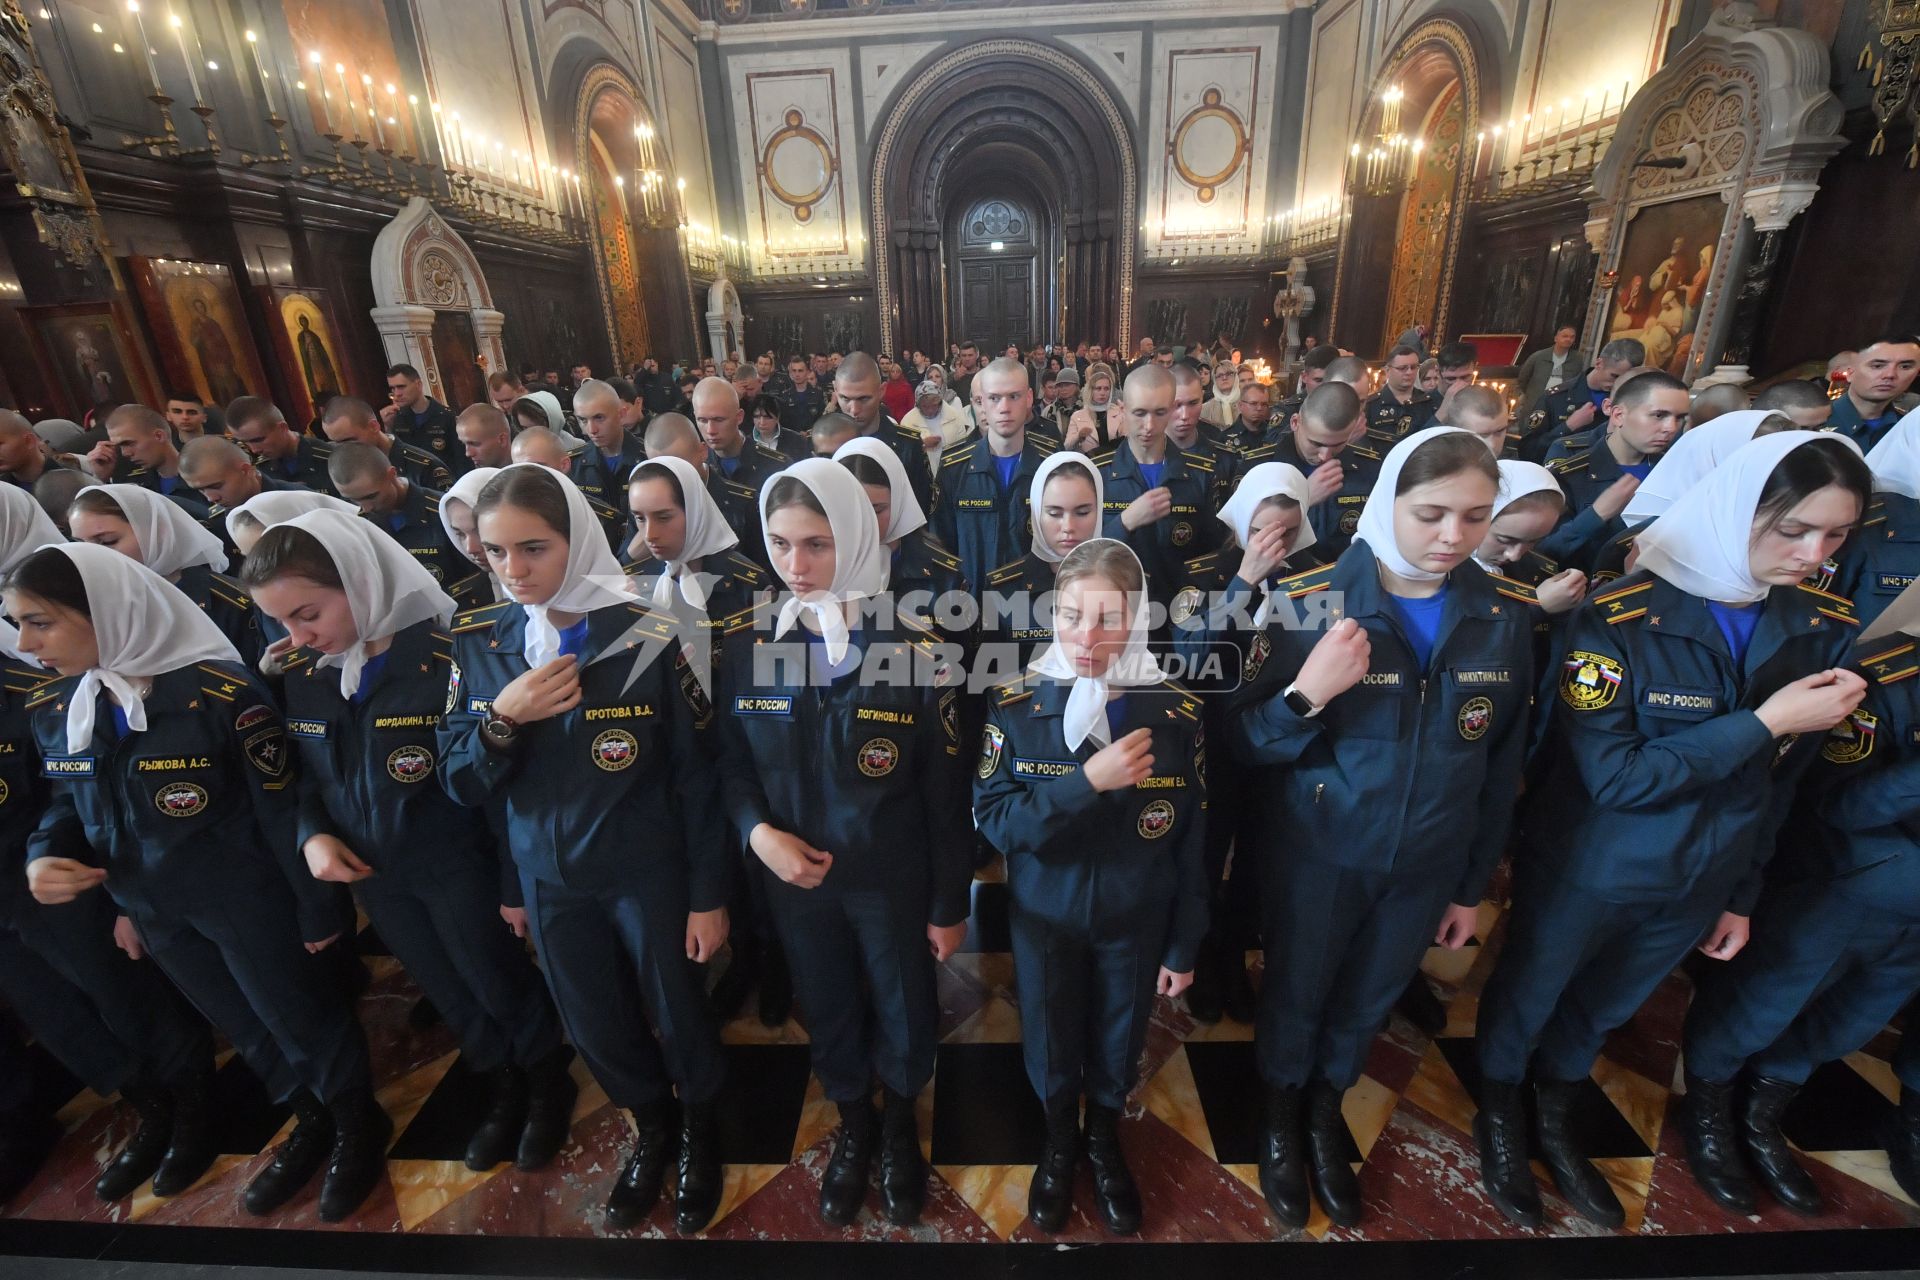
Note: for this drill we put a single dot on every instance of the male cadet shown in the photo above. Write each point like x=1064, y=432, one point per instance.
x=1157, y=500
x=187, y=415
x=1355, y=373
x=829, y=432
x=503, y=388
x=1580, y=403
x=672, y=435
x=1458, y=364
x=23, y=458
x=484, y=436
x=221, y=473
x=1313, y=372
x=1881, y=373
x=982, y=517
x=1063, y=398
x=1722, y=397
x=602, y=469
x=1645, y=415
x=1482, y=411
x=1183, y=430
x=546, y=447
x=802, y=403
x=345, y=418
x=856, y=393
x=408, y=512
x=1401, y=407
x=1319, y=444
x=140, y=435
x=1800, y=400
x=261, y=429
x=966, y=365
x=721, y=422
x=747, y=383
x=419, y=419
x=633, y=410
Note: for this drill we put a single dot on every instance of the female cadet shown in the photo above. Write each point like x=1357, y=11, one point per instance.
x=923, y=576
x=1688, y=461
x=169, y=757
x=113, y=1022
x=1406, y=721
x=456, y=517
x=1064, y=498
x=843, y=770
x=1835, y=950
x=1884, y=556
x=158, y=532
x=570, y=700
x=1092, y=779
x=246, y=522
x=1683, y=689
x=373, y=815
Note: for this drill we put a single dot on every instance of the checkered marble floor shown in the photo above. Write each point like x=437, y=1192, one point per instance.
x=1191, y=1132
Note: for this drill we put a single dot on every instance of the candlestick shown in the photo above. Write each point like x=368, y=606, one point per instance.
x=146, y=49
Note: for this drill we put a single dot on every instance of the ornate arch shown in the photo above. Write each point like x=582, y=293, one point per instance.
x=621, y=308
x=421, y=267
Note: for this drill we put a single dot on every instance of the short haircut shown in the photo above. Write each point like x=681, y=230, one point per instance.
x=1321, y=357
x=1893, y=338
x=56, y=489
x=1351, y=370
x=486, y=416
x=1185, y=374
x=12, y=423
x=1403, y=349
x=1723, y=397
x=1795, y=393
x=1457, y=355
x=668, y=431
x=1644, y=385
x=404, y=370
x=623, y=389
x=251, y=409
x=212, y=451
x=831, y=426
x=1148, y=379
x=593, y=389
x=185, y=397
x=501, y=378
x=858, y=366
x=1331, y=405
x=352, y=408
x=139, y=417
x=1483, y=404
x=1631, y=350
x=1000, y=367
x=354, y=462
x=542, y=440
x=718, y=386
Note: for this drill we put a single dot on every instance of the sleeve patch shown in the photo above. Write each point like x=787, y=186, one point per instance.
x=1590, y=681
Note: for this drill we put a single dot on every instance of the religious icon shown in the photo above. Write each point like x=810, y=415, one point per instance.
x=307, y=350
x=1665, y=269
x=89, y=355
x=194, y=311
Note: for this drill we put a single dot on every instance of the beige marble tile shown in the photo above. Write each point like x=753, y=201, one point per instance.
x=1366, y=1108
x=1878, y=1073
x=1630, y=1176
x=743, y=1181
x=143, y=1202
x=1172, y=1096
x=997, y=1021
x=592, y=1096
x=1225, y=1031
x=422, y=1188
x=403, y=1098
x=1642, y=1102
x=997, y=1192
x=817, y=1118
x=1437, y=1090
x=1868, y=1166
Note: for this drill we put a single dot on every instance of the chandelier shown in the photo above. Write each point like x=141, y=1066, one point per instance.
x=1386, y=166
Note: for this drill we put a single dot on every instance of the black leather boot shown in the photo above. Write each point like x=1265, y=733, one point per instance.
x=295, y=1161
x=361, y=1130
x=1327, y=1142
x=1050, y=1195
x=1114, y=1192
x=141, y=1157
x=1584, y=1186
x=499, y=1130
x=696, y=1197
x=193, y=1147
x=1767, y=1147
x=843, y=1187
x=1713, y=1144
x=551, y=1094
x=776, y=988
x=1901, y=1138
x=1283, y=1165
x=1500, y=1133
x=1420, y=1006
x=903, y=1172
x=638, y=1187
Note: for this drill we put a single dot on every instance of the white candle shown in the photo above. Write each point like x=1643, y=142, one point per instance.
x=313, y=59
x=266, y=84
x=146, y=49
x=180, y=38
x=373, y=112
x=346, y=96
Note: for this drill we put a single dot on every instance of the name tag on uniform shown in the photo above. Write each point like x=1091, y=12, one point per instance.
x=1044, y=768
x=744, y=705
x=402, y=722
x=67, y=767
x=1182, y=511
x=1114, y=506
x=479, y=706
x=1680, y=702
x=882, y=715
x=1382, y=679
x=976, y=504
x=1466, y=676
x=170, y=764
x=1156, y=782
x=315, y=730
x=1347, y=499
x=1892, y=584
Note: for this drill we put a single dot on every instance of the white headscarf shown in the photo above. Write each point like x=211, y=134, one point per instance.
x=550, y=404
x=277, y=506
x=1896, y=459
x=144, y=627
x=860, y=561
x=1036, y=495
x=707, y=534
x=593, y=579
x=170, y=540
x=1376, y=518
x=1701, y=544
x=1269, y=480
x=1687, y=462
x=25, y=527
x=904, y=514
x=1517, y=480
x=466, y=489
x=387, y=589
x=1086, y=713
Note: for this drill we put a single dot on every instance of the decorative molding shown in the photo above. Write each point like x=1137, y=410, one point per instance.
x=883, y=67
x=1121, y=56
x=1773, y=206
x=420, y=265
x=602, y=79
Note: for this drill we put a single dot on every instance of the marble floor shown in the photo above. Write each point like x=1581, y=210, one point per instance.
x=1191, y=1133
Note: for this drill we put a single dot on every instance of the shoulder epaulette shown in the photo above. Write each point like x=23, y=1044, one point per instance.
x=322, y=448
x=299, y=658
x=50, y=690
x=217, y=683
x=1371, y=455
x=230, y=591
x=1887, y=666
x=1103, y=456
x=1197, y=460
x=1837, y=607
x=475, y=619
x=1201, y=563
x=1005, y=695
x=1567, y=462
x=1623, y=603
x=960, y=453
x=1047, y=446
x=430, y=500
x=465, y=582
x=1187, y=704
x=735, y=623
x=770, y=453
x=745, y=569
x=1318, y=578
x=1510, y=587
x=1005, y=573
x=598, y=506
x=739, y=490
x=638, y=567
x=1257, y=452
x=23, y=679
x=939, y=555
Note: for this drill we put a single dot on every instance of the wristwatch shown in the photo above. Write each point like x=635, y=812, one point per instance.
x=1298, y=703
x=499, y=730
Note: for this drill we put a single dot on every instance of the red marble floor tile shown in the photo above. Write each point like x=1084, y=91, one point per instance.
x=1421, y=1181
x=1650, y=1042
x=63, y=1189
x=567, y=1199
x=1395, y=1055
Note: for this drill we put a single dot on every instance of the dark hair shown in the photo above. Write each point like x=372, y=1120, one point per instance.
x=1320, y=357
x=1443, y=456
x=1457, y=355
x=787, y=491
x=1643, y=385
x=1774, y=422
x=1334, y=404
x=352, y=408
x=247, y=409
x=186, y=397
x=50, y=575
x=284, y=551
x=1795, y=393
x=96, y=501
x=1403, y=350
x=1805, y=471
x=1278, y=501
x=623, y=389
x=529, y=406
x=1102, y=558
x=404, y=370
x=762, y=403
x=867, y=470
x=1893, y=338
x=1082, y=471
x=659, y=471
x=532, y=489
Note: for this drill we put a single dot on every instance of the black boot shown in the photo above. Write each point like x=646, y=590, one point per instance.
x=1050, y=1196
x=193, y=1147
x=1772, y=1158
x=551, y=1094
x=295, y=1160
x=358, y=1162
x=1283, y=1166
x=1713, y=1144
x=1584, y=1186
x=1901, y=1138
x=843, y=1187
x=1205, y=999
x=702, y=1177
x=1114, y=1192
x=1420, y=1006
x=635, y=1192
x=1327, y=1142
x=141, y=1157
x=499, y=1130
x=903, y=1172
x=776, y=988
x=729, y=994
x=25, y=1143
x=1500, y=1133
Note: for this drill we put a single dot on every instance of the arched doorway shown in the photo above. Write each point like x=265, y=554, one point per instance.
x=1028, y=123
x=1000, y=266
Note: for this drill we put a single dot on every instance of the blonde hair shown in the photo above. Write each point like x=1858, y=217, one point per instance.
x=1102, y=558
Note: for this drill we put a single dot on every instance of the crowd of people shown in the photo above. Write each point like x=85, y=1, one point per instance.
x=615, y=703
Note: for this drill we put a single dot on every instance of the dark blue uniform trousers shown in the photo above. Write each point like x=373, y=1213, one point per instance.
x=865, y=979
x=617, y=962
x=1824, y=972
x=1084, y=1006
x=1341, y=946
x=1575, y=967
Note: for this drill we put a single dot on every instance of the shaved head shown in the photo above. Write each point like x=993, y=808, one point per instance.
x=857, y=367
x=1147, y=380
x=541, y=445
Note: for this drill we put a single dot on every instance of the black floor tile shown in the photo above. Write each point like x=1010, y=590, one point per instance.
x=1230, y=1098
x=987, y=927
x=1837, y=1111
x=246, y=1117
x=53, y=1085
x=445, y=1122
x=984, y=1110
x=1598, y=1124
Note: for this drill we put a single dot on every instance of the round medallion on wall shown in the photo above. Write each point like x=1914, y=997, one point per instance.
x=797, y=166
x=1209, y=145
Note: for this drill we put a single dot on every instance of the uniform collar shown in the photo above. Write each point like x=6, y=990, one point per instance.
x=1356, y=576
x=1786, y=613
x=1903, y=517
x=1125, y=464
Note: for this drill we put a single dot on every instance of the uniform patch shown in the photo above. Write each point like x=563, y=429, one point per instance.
x=314, y=730
x=1155, y=820
x=410, y=764
x=993, y=746
x=950, y=718
x=4, y=792
x=453, y=688
x=751, y=705
x=878, y=757
x=1025, y=768
x=1182, y=533
x=1349, y=521
x=262, y=740
x=180, y=799
x=1257, y=652
x=1851, y=741
x=697, y=699
x=1185, y=605
x=615, y=749
x=1475, y=718
x=67, y=767
x=1589, y=681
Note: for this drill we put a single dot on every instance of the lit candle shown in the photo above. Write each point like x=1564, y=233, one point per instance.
x=346, y=97
x=459, y=143
x=419, y=134
x=393, y=118
x=313, y=60
x=180, y=38
x=266, y=85
x=579, y=199
x=620, y=185
x=146, y=49
x=373, y=112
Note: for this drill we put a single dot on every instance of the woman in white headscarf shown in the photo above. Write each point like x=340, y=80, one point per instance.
x=1883, y=555
x=172, y=759
x=24, y=528
x=1064, y=505
x=1530, y=504
x=463, y=531
x=1091, y=780
x=866, y=852
x=922, y=570
x=1692, y=694
x=573, y=704
x=246, y=522
x=158, y=533
x=1385, y=712
x=364, y=690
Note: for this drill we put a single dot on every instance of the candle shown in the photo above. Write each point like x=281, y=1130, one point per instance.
x=419, y=134
x=346, y=98
x=459, y=143
x=313, y=60
x=373, y=112
x=579, y=199
x=180, y=38
x=620, y=185
x=146, y=50
x=266, y=84
x=393, y=118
